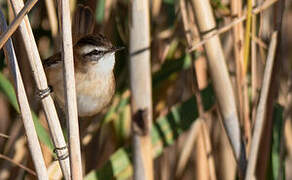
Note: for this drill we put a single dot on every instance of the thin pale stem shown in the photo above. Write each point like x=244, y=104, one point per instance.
x=254, y=68
x=33, y=141
x=52, y=17
x=4, y=136
x=208, y=146
x=41, y=83
x=187, y=148
x=18, y=164
x=261, y=110
x=15, y=23
x=237, y=32
x=226, y=28
x=71, y=102
x=141, y=94
x=221, y=80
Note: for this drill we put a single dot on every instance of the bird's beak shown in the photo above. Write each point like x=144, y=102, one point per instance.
x=116, y=49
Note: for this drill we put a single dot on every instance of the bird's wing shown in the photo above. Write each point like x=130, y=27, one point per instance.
x=53, y=60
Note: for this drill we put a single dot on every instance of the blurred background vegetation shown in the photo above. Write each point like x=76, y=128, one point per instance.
x=184, y=145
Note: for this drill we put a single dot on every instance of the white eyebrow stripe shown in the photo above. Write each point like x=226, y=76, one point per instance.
x=89, y=48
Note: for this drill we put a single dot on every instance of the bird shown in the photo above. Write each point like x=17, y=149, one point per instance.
x=94, y=61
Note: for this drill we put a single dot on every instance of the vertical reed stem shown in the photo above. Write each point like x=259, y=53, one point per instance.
x=41, y=83
x=221, y=81
x=247, y=36
x=261, y=110
x=141, y=98
x=71, y=103
x=52, y=17
x=33, y=141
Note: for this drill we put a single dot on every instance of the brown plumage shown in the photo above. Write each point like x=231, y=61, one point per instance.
x=94, y=59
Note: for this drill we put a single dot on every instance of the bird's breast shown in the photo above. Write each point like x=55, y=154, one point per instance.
x=94, y=92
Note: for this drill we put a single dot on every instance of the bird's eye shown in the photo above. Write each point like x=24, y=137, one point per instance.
x=94, y=53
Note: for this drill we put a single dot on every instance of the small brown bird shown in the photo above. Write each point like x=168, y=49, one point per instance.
x=94, y=60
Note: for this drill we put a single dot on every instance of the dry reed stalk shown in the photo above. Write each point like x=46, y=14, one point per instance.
x=201, y=163
x=247, y=35
x=52, y=17
x=14, y=133
x=33, y=141
x=4, y=136
x=261, y=110
x=287, y=134
x=141, y=95
x=221, y=80
x=226, y=28
x=265, y=143
x=41, y=83
x=186, y=25
x=199, y=133
x=254, y=71
x=187, y=148
x=199, y=83
x=72, y=4
x=209, y=150
x=246, y=112
x=192, y=35
x=17, y=142
x=70, y=92
x=241, y=81
x=155, y=8
x=288, y=130
x=17, y=164
x=15, y=23
x=244, y=83
x=237, y=32
x=4, y=120
x=258, y=41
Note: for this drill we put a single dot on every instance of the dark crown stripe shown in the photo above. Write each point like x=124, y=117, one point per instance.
x=96, y=40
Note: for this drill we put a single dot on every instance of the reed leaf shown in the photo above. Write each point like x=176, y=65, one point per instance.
x=7, y=88
x=275, y=159
x=164, y=132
